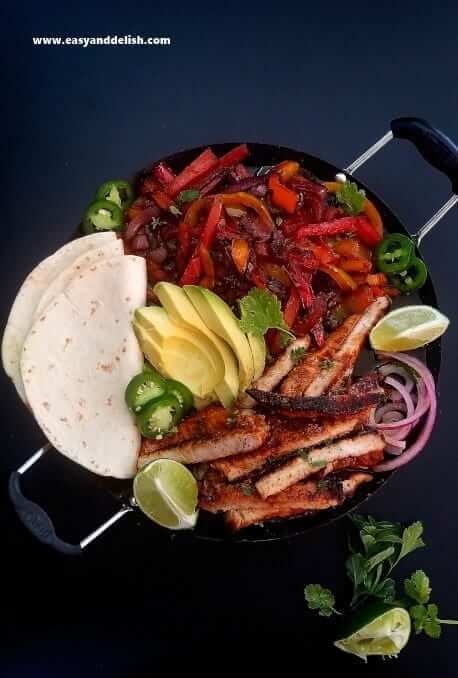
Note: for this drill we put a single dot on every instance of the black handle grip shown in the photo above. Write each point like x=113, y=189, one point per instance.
x=436, y=148
x=36, y=520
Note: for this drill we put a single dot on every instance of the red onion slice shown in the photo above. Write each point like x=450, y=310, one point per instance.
x=425, y=433
x=420, y=409
x=389, y=368
x=394, y=383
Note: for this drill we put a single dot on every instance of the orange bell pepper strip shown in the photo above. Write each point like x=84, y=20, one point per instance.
x=286, y=170
x=209, y=269
x=369, y=208
x=242, y=199
x=240, y=251
x=276, y=272
x=377, y=280
x=343, y=280
x=358, y=301
x=281, y=196
x=351, y=248
x=356, y=265
x=292, y=307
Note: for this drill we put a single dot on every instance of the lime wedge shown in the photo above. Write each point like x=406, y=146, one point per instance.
x=166, y=492
x=376, y=629
x=408, y=328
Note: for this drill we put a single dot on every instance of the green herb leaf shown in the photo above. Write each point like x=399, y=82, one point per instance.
x=285, y=340
x=419, y=616
x=326, y=363
x=260, y=311
x=297, y=354
x=303, y=453
x=411, y=540
x=351, y=198
x=356, y=569
x=386, y=590
x=379, y=558
x=247, y=489
x=417, y=587
x=188, y=196
x=321, y=599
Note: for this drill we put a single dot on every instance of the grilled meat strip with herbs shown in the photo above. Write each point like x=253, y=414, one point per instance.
x=279, y=369
x=363, y=450
x=300, y=498
x=333, y=364
x=243, y=433
x=287, y=437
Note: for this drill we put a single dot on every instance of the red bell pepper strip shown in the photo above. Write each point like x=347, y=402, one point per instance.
x=327, y=228
x=163, y=174
x=195, y=171
x=209, y=232
x=230, y=159
x=292, y=307
x=192, y=272
x=209, y=269
x=367, y=233
x=201, y=256
x=281, y=196
x=161, y=198
x=317, y=333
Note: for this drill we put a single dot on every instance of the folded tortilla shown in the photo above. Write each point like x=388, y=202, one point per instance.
x=22, y=312
x=115, y=248
x=77, y=360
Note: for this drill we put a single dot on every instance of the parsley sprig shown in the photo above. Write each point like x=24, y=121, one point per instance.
x=260, y=310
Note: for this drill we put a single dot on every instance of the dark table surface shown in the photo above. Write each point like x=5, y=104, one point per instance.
x=322, y=77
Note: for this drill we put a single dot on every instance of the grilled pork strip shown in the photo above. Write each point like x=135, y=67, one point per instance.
x=363, y=393
x=277, y=371
x=295, y=500
x=298, y=469
x=206, y=422
x=309, y=369
x=248, y=433
x=287, y=437
x=344, y=359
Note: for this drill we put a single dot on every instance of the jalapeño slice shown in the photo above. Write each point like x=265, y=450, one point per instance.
x=118, y=191
x=102, y=215
x=412, y=278
x=147, y=386
x=159, y=416
x=181, y=393
x=394, y=253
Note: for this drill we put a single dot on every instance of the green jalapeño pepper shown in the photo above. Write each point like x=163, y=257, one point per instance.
x=394, y=253
x=120, y=192
x=412, y=278
x=143, y=388
x=159, y=416
x=181, y=393
x=102, y=215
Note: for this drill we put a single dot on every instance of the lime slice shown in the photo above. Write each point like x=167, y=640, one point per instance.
x=376, y=629
x=407, y=328
x=166, y=492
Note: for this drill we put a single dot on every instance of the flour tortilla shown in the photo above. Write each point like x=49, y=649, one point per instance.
x=114, y=248
x=77, y=361
x=22, y=312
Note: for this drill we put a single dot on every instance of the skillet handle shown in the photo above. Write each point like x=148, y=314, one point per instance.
x=36, y=520
x=436, y=148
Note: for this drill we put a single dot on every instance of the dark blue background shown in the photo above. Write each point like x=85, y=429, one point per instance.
x=322, y=77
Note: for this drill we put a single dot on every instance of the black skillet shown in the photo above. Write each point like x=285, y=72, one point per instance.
x=442, y=154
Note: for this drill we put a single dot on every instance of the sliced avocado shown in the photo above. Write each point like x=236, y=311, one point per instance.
x=161, y=326
x=181, y=310
x=259, y=351
x=218, y=317
x=180, y=357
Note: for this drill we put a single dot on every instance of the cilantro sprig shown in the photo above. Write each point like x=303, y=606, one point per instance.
x=351, y=198
x=260, y=310
x=376, y=548
x=297, y=354
x=320, y=599
x=424, y=614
